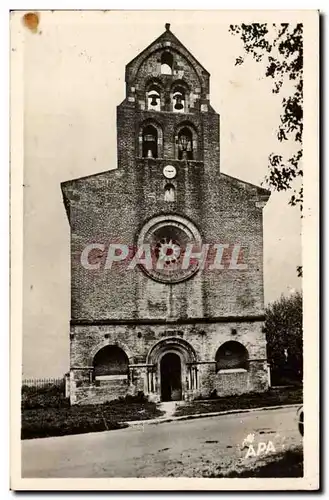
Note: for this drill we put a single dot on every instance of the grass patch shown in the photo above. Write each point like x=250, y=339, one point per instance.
x=272, y=397
x=287, y=464
x=46, y=412
x=48, y=396
x=46, y=422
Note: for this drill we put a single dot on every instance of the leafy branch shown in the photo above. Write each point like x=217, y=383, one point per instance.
x=280, y=48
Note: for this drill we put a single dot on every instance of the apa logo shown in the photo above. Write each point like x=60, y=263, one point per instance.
x=262, y=449
x=257, y=449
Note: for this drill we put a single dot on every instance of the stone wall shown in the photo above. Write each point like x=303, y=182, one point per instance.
x=138, y=340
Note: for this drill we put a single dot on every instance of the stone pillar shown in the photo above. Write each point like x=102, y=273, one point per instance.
x=131, y=387
x=153, y=380
x=195, y=377
x=192, y=371
x=191, y=378
x=150, y=379
x=67, y=384
x=269, y=374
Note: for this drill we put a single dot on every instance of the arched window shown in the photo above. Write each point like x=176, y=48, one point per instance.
x=169, y=192
x=110, y=361
x=166, y=63
x=150, y=142
x=231, y=355
x=185, y=144
x=153, y=99
x=179, y=100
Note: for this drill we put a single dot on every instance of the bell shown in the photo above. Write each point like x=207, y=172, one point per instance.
x=184, y=142
x=178, y=104
x=149, y=138
x=154, y=98
x=149, y=153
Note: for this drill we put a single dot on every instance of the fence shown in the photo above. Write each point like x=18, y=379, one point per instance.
x=38, y=383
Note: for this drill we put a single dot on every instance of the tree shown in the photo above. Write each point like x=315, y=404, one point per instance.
x=284, y=335
x=280, y=48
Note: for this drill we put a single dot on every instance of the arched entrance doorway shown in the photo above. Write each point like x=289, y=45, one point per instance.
x=172, y=373
x=171, y=377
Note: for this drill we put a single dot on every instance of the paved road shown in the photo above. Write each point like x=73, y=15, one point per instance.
x=187, y=448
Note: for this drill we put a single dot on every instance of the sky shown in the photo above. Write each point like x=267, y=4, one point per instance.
x=74, y=68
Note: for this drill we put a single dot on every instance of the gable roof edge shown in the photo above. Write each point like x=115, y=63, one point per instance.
x=260, y=190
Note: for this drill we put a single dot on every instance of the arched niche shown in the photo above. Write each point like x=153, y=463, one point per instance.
x=110, y=362
x=167, y=62
x=186, y=142
x=231, y=355
x=150, y=140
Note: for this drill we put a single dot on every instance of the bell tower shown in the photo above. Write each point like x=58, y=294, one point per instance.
x=168, y=146
x=166, y=116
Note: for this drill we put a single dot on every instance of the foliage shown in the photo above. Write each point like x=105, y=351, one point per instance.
x=272, y=397
x=48, y=396
x=46, y=412
x=284, y=335
x=46, y=422
x=280, y=48
x=138, y=398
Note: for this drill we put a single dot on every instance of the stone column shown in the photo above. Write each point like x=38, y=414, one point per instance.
x=149, y=380
x=192, y=377
x=130, y=376
x=195, y=377
x=190, y=369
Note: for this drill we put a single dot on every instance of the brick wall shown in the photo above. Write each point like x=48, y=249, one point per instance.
x=106, y=209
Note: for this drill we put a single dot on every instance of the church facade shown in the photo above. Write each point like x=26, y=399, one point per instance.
x=166, y=250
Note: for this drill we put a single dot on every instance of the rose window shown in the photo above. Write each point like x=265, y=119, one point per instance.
x=168, y=238
x=168, y=250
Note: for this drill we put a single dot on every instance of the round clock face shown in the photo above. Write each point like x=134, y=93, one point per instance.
x=169, y=171
x=168, y=238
